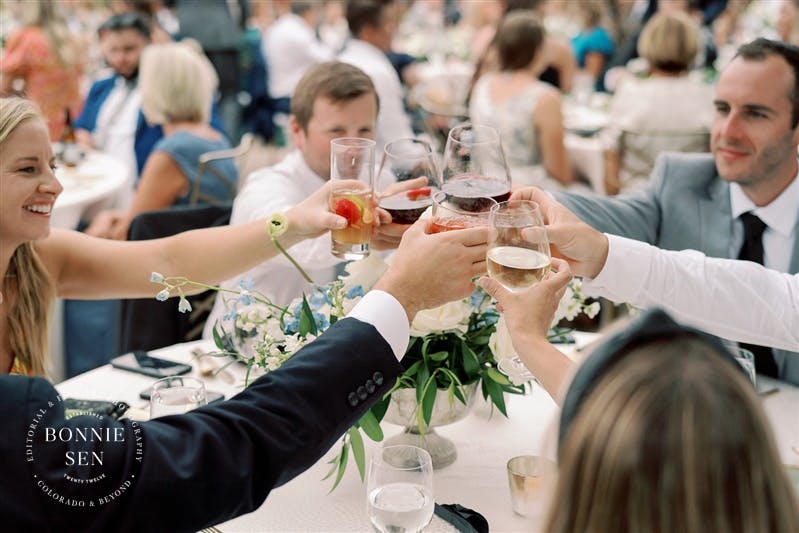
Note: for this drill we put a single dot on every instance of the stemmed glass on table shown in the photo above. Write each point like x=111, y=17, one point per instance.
x=518, y=257
x=407, y=159
x=400, y=489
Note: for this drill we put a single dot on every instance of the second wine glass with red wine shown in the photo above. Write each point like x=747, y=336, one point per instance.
x=474, y=166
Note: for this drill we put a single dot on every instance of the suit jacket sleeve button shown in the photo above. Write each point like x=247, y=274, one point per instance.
x=370, y=386
x=378, y=378
x=352, y=398
x=361, y=391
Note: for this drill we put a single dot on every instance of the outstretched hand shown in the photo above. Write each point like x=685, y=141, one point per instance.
x=429, y=270
x=585, y=248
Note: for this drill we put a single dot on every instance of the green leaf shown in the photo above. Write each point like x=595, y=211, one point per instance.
x=333, y=319
x=471, y=365
x=379, y=408
x=334, y=461
x=459, y=394
x=356, y=442
x=439, y=356
x=413, y=369
x=429, y=400
x=342, y=466
x=495, y=392
x=307, y=322
x=422, y=376
x=369, y=424
x=498, y=376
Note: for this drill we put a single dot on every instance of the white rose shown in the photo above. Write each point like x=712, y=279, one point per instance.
x=365, y=272
x=452, y=315
x=500, y=342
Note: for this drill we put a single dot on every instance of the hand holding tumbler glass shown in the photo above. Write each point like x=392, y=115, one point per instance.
x=352, y=168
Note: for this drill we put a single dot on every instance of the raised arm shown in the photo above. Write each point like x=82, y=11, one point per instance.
x=87, y=267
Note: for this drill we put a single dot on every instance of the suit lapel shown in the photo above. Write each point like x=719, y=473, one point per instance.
x=715, y=218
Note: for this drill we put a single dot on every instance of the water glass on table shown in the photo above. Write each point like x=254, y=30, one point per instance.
x=518, y=257
x=400, y=489
x=176, y=395
x=352, y=163
x=407, y=159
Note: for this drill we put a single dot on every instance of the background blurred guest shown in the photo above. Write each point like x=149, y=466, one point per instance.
x=372, y=24
x=593, y=45
x=218, y=25
x=526, y=111
x=47, y=59
x=154, y=12
x=560, y=65
x=291, y=47
x=177, y=88
x=667, y=111
x=111, y=119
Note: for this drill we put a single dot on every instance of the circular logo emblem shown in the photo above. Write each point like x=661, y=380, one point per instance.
x=88, y=460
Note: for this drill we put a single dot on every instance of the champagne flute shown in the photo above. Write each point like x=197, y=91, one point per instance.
x=352, y=164
x=407, y=159
x=176, y=395
x=474, y=165
x=515, y=261
x=400, y=489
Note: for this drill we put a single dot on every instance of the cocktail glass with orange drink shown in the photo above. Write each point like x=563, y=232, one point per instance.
x=448, y=213
x=352, y=168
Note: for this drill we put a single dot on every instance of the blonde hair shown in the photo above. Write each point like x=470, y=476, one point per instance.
x=28, y=317
x=45, y=14
x=177, y=83
x=669, y=42
x=672, y=438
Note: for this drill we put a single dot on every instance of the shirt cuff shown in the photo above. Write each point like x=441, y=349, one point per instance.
x=625, y=272
x=385, y=313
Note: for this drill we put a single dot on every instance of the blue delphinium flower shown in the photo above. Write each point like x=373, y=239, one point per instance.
x=247, y=284
x=355, y=292
x=162, y=295
x=156, y=277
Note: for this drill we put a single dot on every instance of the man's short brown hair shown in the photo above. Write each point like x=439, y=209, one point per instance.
x=339, y=82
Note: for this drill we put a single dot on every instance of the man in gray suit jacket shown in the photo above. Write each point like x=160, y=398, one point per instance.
x=694, y=201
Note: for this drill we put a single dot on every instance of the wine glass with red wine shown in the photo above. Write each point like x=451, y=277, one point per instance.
x=474, y=166
x=407, y=159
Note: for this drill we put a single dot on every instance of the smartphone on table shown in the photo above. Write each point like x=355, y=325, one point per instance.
x=141, y=362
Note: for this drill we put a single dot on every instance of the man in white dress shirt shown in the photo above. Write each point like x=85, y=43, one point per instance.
x=737, y=300
x=372, y=24
x=290, y=48
x=332, y=100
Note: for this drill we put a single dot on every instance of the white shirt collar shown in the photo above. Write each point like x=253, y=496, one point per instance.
x=780, y=215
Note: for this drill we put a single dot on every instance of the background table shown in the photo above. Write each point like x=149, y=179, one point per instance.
x=98, y=182
x=477, y=479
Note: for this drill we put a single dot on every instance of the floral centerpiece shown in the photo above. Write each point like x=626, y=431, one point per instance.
x=451, y=346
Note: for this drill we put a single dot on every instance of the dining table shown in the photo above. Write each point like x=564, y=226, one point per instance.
x=485, y=440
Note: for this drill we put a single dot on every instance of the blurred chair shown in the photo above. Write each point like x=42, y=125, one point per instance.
x=639, y=149
x=441, y=102
x=148, y=324
x=238, y=153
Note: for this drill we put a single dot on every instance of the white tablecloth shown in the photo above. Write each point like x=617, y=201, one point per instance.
x=477, y=479
x=97, y=178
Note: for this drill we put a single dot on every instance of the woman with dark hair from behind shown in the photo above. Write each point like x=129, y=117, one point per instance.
x=526, y=111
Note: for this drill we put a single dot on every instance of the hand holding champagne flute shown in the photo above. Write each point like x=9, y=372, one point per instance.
x=518, y=257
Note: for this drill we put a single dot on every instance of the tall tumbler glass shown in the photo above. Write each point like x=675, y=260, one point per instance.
x=352, y=170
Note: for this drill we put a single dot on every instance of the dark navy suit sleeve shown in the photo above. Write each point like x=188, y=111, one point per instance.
x=222, y=461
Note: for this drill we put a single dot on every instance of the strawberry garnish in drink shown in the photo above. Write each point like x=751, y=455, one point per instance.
x=415, y=194
x=349, y=209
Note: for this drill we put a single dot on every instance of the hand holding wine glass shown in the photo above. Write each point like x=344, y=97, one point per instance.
x=518, y=256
